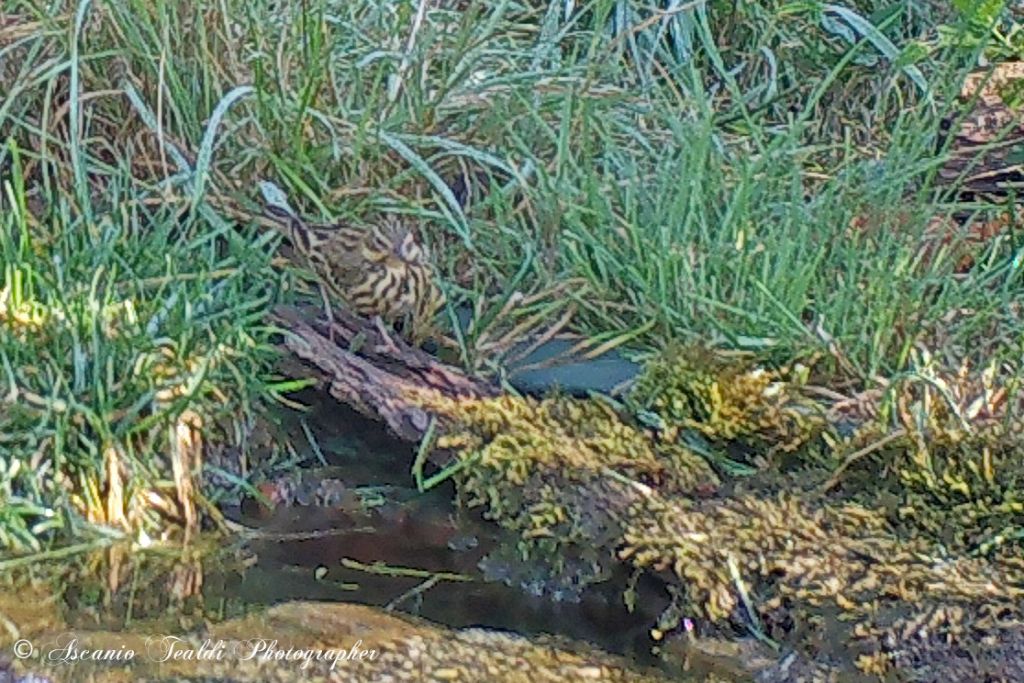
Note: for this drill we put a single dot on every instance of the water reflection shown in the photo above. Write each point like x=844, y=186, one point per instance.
x=378, y=517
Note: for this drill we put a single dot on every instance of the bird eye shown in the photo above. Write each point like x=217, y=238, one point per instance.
x=406, y=247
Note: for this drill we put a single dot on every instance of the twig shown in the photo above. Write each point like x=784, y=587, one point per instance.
x=755, y=627
x=857, y=455
x=381, y=569
x=415, y=591
x=56, y=553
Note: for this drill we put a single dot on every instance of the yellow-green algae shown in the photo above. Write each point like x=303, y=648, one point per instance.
x=727, y=399
x=801, y=557
x=536, y=463
x=888, y=593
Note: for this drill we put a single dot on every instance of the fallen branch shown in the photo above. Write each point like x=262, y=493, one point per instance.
x=375, y=373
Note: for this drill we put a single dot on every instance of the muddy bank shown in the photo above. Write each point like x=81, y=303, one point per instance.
x=293, y=641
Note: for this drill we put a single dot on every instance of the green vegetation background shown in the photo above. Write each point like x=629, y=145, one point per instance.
x=691, y=170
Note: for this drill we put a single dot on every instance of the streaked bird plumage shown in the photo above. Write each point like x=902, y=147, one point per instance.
x=381, y=270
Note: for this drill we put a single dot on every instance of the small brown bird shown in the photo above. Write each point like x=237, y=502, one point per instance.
x=986, y=155
x=375, y=271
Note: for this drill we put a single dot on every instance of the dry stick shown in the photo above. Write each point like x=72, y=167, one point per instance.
x=825, y=392
x=755, y=627
x=56, y=554
x=381, y=569
x=857, y=455
x=396, y=85
x=255, y=532
x=416, y=590
x=545, y=337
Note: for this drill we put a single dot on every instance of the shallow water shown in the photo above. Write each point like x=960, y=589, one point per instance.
x=378, y=544
x=379, y=517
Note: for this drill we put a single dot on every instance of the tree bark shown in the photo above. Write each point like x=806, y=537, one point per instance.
x=376, y=373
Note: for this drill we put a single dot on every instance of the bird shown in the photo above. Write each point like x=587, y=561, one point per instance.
x=380, y=270
x=985, y=158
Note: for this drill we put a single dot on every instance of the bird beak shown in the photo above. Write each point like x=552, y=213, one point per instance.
x=399, y=245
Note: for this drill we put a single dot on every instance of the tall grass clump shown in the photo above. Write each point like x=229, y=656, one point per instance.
x=131, y=315
x=112, y=330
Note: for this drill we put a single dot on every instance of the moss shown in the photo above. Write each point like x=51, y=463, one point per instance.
x=803, y=561
x=549, y=470
x=884, y=584
x=513, y=438
x=952, y=460
x=727, y=399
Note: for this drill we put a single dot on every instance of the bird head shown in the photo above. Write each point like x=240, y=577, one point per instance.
x=406, y=249
x=402, y=248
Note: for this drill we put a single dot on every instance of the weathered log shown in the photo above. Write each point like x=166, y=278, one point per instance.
x=376, y=373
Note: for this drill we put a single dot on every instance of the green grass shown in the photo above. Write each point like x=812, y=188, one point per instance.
x=695, y=171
